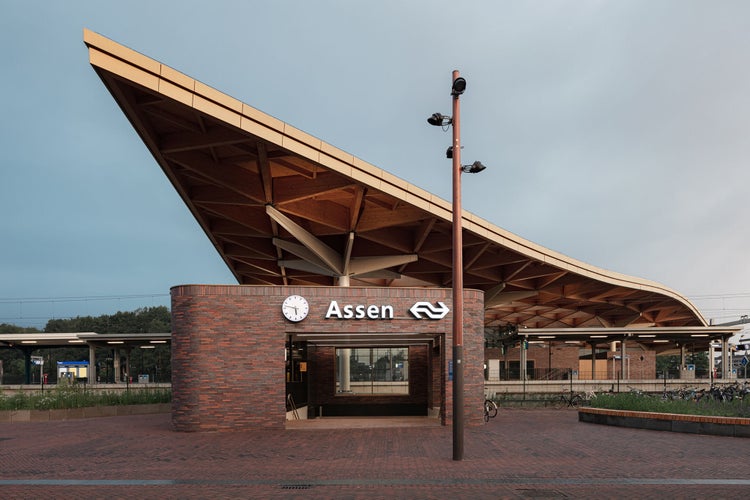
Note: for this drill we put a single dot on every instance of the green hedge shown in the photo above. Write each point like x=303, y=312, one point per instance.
x=651, y=403
x=74, y=396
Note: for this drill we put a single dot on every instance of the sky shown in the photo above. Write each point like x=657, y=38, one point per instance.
x=616, y=133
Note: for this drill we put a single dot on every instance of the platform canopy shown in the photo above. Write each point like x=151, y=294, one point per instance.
x=43, y=339
x=282, y=207
x=662, y=340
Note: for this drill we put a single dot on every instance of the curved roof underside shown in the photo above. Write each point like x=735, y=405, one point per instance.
x=285, y=208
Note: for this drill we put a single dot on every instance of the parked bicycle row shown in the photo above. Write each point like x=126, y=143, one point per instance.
x=731, y=392
x=567, y=398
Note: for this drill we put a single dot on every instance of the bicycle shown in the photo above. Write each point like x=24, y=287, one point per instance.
x=569, y=399
x=490, y=409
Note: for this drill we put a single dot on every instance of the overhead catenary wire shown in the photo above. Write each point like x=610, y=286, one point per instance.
x=35, y=312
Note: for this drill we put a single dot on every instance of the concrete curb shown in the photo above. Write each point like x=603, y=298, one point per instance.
x=692, y=424
x=14, y=416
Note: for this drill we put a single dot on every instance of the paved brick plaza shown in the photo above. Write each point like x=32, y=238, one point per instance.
x=519, y=454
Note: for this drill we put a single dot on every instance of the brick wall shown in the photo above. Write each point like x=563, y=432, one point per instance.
x=641, y=360
x=228, y=350
x=641, y=363
x=227, y=358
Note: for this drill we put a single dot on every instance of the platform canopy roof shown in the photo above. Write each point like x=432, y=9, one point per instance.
x=662, y=340
x=43, y=339
x=282, y=207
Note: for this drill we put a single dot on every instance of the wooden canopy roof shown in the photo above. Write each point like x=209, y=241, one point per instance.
x=285, y=208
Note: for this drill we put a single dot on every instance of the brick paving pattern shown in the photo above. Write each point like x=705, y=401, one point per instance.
x=522, y=453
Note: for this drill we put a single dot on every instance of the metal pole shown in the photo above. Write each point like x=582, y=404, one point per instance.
x=570, y=377
x=549, y=360
x=458, y=286
x=27, y=366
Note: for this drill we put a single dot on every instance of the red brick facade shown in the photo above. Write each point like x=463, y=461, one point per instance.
x=539, y=356
x=640, y=364
x=228, y=345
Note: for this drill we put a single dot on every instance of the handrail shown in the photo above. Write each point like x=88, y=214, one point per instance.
x=290, y=402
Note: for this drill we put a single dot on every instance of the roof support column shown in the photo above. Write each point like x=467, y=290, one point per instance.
x=346, y=353
x=127, y=365
x=726, y=370
x=593, y=361
x=683, y=361
x=26, y=365
x=92, y=364
x=116, y=364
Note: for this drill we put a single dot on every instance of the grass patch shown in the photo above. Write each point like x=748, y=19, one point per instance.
x=75, y=396
x=654, y=403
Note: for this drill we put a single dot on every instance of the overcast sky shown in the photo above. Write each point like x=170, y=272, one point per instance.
x=615, y=132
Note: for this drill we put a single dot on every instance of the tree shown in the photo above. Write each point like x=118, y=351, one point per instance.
x=147, y=319
x=671, y=364
x=11, y=359
x=156, y=362
x=7, y=328
x=500, y=336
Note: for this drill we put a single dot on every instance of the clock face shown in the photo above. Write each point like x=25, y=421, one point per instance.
x=295, y=308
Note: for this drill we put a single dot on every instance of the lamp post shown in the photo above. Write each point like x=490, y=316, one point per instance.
x=454, y=152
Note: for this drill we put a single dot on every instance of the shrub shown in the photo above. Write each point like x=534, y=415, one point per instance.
x=651, y=403
x=75, y=396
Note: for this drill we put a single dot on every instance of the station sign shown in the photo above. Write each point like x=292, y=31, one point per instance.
x=420, y=310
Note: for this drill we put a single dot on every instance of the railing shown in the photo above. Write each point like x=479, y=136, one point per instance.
x=32, y=388
x=537, y=374
x=538, y=389
x=568, y=373
x=374, y=388
x=291, y=406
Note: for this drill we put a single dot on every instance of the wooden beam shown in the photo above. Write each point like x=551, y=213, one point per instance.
x=325, y=253
x=265, y=172
x=188, y=141
x=304, y=253
x=362, y=265
x=294, y=189
x=228, y=176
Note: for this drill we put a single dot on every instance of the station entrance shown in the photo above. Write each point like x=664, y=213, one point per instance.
x=388, y=376
x=242, y=354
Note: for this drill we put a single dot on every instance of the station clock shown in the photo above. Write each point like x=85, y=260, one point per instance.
x=295, y=308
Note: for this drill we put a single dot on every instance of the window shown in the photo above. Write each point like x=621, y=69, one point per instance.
x=372, y=370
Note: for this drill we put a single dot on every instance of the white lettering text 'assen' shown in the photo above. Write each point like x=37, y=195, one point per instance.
x=358, y=311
